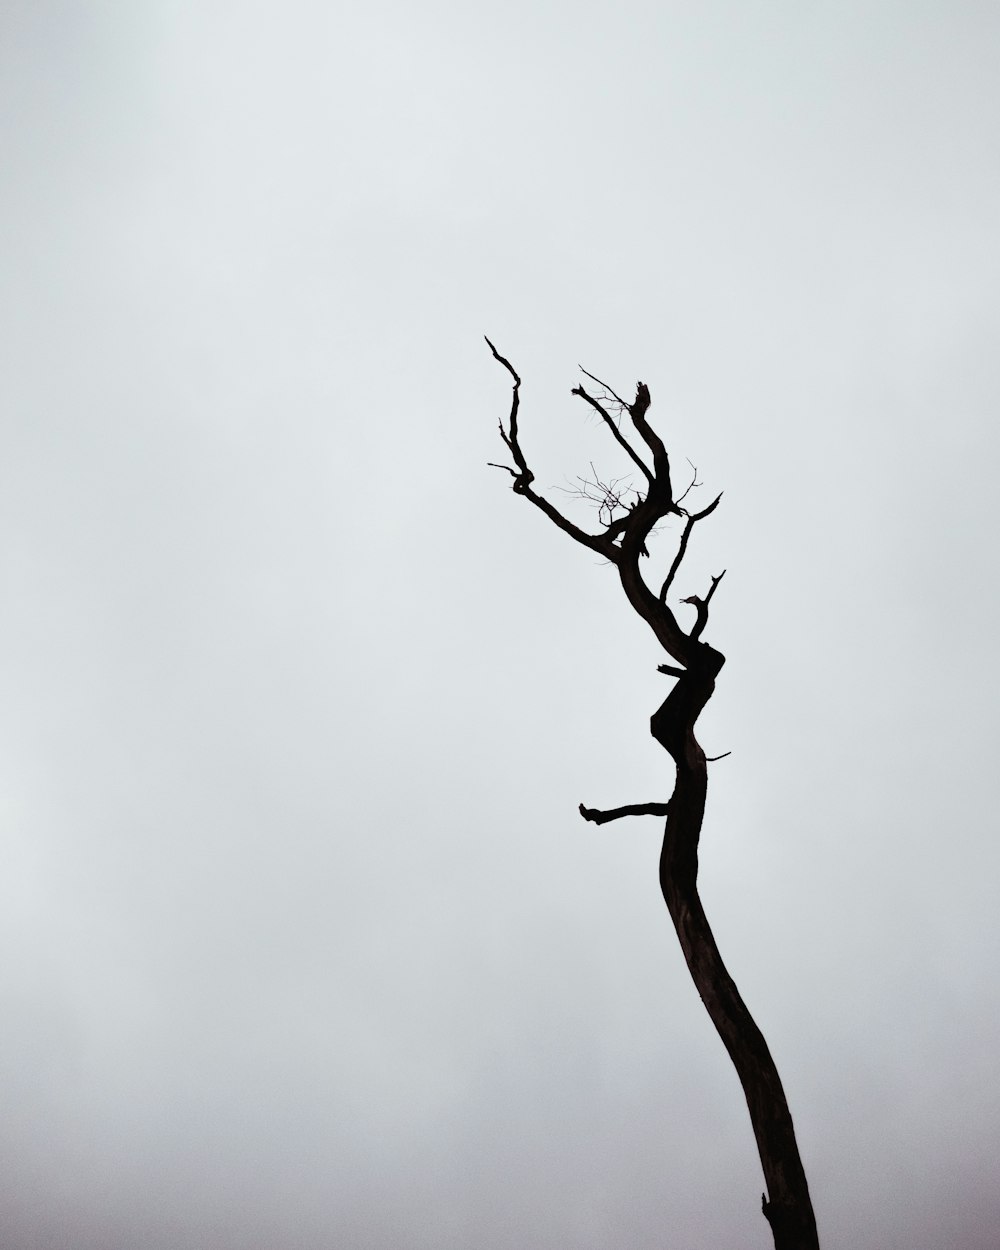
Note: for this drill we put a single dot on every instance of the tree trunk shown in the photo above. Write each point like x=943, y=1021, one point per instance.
x=787, y=1204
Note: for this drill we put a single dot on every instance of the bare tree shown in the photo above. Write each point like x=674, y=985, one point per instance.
x=627, y=519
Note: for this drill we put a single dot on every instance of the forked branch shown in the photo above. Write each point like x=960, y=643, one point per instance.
x=523, y=476
x=702, y=606
x=609, y=421
x=689, y=524
x=624, y=540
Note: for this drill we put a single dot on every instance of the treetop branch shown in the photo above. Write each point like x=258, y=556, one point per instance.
x=661, y=461
x=616, y=433
x=523, y=476
x=692, y=517
x=690, y=486
x=623, y=405
x=623, y=541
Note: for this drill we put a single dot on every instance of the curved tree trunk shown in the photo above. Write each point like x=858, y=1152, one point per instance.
x=787, y=1204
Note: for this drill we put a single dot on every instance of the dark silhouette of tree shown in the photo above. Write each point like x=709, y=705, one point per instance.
x=628, y=517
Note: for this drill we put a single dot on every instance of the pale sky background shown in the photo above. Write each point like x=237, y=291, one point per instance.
x=304, y=944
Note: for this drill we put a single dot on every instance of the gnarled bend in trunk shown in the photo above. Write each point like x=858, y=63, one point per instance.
x=628, y=516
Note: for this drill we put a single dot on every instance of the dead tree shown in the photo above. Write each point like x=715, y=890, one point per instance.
x=627, y=523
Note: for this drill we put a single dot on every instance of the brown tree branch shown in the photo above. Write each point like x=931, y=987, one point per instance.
x=616, y=433
x=637, y=411
x=616, y=813
x=523, y=477
x=661, y=461
x=701, y=605
x=715, y=583
x=623, y=404
x=690, y=486
x=609, y=497
x=689, y=525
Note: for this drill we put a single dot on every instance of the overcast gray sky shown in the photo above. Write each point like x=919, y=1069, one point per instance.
x=303, y=941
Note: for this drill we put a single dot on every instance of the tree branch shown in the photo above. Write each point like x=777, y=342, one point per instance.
x=715, y=582
x=661, y=461
x=523, y=477
x=690, y=486
x=630, y=809
x=610, y=497
x=614, y=394
x=616, y=433
x=688, y=527
x=623, y=542
x=702, y=606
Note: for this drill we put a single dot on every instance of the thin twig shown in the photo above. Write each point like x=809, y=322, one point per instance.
x=702, y=607
x=617, y=398
x=691, y=485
